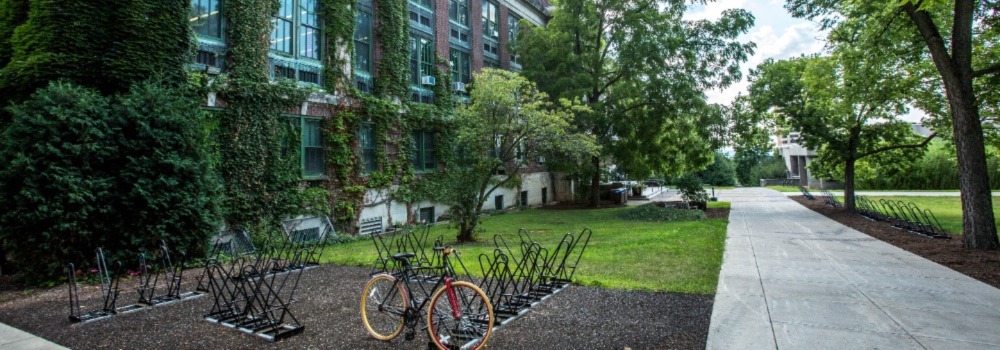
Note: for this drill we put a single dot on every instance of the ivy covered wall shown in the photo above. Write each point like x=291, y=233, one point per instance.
x=105, y=45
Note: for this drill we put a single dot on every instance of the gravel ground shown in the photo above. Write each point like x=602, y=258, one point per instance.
x=576, y=318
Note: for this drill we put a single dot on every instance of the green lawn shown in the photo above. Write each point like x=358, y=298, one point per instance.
x=948, y=210
x=670, y=257
x=781, y=188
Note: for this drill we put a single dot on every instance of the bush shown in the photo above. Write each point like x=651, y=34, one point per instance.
x=652, y=212
x=691, y=189
x=722, y=171
x=84, y=171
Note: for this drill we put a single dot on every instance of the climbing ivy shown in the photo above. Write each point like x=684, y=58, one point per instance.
x=392, y=26
x=258, y=165
x=338, y=19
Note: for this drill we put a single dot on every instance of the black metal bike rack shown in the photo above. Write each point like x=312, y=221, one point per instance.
x=253, y=289
x=830, y=199
x=172, y=275
x=109, y=291
x=903, y=215
x=806, y=193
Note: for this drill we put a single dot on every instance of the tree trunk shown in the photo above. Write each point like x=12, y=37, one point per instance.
x=595, y=182
x=465, y=232
x=849, y=202
x=978, y=223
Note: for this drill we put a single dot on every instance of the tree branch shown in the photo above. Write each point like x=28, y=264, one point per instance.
x=889, y=148
x=986, y=71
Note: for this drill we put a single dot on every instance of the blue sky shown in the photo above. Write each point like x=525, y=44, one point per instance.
x=778, y=35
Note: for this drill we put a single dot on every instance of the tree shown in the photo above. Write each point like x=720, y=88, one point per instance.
x=507, y=123
x=844, y=106
x=722, y=171
x=972, y=24
x=749, y=133
x=642, y=70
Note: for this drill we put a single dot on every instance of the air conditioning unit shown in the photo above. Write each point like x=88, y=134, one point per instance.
x=458, y=86
x=496, y=33
x=213, y=70
x=428, y=80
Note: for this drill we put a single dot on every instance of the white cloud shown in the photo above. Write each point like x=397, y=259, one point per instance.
x=776, y=34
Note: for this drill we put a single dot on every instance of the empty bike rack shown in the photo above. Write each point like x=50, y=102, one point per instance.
x=903, y=215
x=109, y=291
x=830, y=199
x=172, y=274
x=252, y=290
x=806, y=193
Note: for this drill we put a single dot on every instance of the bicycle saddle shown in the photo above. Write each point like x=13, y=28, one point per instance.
x=403, y=256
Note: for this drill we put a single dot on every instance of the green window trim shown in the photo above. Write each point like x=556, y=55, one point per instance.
x=296, y=42
x=367, y=148
x=458, y=12
x=423, y=151
x=491, y=27
x=312, y=162
x=206, y=19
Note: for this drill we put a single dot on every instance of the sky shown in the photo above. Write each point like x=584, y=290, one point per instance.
x=778, y=35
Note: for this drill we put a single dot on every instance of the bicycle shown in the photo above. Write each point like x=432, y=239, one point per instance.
x=463, y=319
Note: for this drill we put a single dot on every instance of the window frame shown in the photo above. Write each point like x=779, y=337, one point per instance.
x=370, y=165
x=420, y=151
x=364, y=76
x=299, y=124
x=294, y=59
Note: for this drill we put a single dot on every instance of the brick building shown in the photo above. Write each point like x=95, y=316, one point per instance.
x=469, y=34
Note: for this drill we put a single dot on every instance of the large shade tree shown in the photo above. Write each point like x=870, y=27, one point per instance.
x=959, y=37
x=641, y=69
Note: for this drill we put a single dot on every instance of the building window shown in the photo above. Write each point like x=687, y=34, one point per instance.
x=489, y=63
x=366, y=143
x=309, y=32
x=296, y=41
x=421, y=68
x=490, y=27
x=427, y=215
x=363, y=51
x=206, y=18
x=422, y=16
x=513, y=28
x=423, y=151
x=460, y=69
x=312, y=148
x=458, y=12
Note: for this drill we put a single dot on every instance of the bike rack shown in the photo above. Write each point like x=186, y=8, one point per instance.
x=253, y=289
x=172, y=276
x=109, y=291
x=806, y=193
x=903, y=215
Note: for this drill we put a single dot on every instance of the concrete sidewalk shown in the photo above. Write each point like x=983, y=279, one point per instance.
x=15, y=339
x=890, y=193
x=793, y=279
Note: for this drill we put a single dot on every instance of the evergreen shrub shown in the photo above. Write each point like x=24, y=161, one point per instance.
x=83, y=171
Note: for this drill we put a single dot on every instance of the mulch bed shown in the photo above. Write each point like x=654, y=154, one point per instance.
x=981, y=265
x=717, y=213
x=577, y=318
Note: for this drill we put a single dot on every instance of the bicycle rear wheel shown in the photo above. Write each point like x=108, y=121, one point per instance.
x=383, y=302
x=466, y=320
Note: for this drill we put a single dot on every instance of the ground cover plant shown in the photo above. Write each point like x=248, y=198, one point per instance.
x=657, y=256
x=654, y=212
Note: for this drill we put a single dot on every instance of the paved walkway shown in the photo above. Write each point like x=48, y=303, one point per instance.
x=793, y=279
x=15, y=339
x=890, y=193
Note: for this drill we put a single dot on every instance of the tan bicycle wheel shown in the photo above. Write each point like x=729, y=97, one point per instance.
x=468, y=322
x=382, y=305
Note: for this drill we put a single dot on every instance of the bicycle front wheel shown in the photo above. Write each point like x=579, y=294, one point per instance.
x=462, y=319
x=383, y=302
